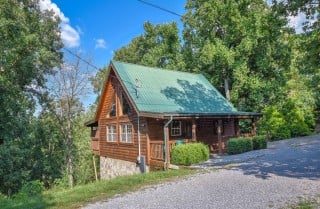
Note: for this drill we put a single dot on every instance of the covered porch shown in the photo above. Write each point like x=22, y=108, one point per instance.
x=212, y=131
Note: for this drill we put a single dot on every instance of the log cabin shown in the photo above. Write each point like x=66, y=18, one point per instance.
x=144, y=111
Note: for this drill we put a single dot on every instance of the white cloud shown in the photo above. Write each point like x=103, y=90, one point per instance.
x=69, y=35
x=100, y=43
x=297, y=21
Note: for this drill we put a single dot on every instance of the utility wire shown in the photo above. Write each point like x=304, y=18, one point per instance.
x=142, y=1
x=161, y=8
x=77, y=56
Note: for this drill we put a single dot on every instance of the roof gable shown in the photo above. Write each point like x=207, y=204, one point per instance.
x=154, y=90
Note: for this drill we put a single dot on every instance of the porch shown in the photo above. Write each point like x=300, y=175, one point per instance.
x=214, y=132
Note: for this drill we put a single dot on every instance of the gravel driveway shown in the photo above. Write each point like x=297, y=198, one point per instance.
x=270, y=178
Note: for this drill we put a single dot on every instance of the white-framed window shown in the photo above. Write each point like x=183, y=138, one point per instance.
x=111, y=133
x=126, y=133
x=176, y=128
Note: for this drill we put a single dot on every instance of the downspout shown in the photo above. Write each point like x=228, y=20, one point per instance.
x=165, y=142
x=139, y=143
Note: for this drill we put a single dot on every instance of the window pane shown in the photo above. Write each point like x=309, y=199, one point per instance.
x=113, y=110
x=176, y=128
x=125, y=105
x=126, y=133
x=111, y=133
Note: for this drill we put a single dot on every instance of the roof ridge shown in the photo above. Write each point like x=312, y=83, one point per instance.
x=157, y=68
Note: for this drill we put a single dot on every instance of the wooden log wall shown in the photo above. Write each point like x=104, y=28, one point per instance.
x=120, y=150
x=207, y=132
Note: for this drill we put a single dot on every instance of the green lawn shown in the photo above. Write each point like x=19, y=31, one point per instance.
x=84, y=194
x=312, y=203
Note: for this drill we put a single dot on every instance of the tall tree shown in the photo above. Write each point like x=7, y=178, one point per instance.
x=308, y=40
x=159, y=46
x=239, y=46
x=29, y=49
x=66, y=88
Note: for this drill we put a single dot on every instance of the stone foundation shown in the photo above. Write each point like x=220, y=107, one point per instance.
x=110, y=168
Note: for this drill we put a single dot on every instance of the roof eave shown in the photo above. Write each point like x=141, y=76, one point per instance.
x=240, y=115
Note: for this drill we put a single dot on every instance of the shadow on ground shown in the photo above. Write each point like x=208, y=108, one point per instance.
x=294, y=158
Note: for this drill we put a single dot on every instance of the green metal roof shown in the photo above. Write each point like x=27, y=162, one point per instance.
x=155, y=90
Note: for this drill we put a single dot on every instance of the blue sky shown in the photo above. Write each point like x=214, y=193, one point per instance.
x=103, y=26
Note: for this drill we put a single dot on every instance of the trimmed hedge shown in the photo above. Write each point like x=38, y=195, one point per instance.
x=190, y=153
x=259, y=142
x=239, y=145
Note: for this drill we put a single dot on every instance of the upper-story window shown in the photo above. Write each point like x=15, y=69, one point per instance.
x=176, y=128
x=124, y=104
x=113, y=109
x=126, y=133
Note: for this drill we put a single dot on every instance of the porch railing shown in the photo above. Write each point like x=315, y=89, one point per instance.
x=157, y=149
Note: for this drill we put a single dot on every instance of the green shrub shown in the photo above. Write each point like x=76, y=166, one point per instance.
x=259, y=142
x=32, y=188
x=273, y=124
x=190, y=153
x=239, y=145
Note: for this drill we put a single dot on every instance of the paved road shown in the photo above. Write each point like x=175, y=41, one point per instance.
x=269, y=178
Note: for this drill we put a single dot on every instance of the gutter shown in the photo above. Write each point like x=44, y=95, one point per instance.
x=165, y=137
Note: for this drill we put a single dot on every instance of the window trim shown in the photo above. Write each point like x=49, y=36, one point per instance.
x=126, y=133
x=114, y=134
x=173, y=129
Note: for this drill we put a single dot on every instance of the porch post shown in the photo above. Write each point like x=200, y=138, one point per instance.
x=237, y=127
x=167, y=147
x=253, y=126
x=194, y=130
x=219, y=136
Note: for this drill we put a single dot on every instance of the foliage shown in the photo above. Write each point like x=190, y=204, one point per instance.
x=32, y=188
x=78, y=196
x=83, y=164
x=67, y=86
x=29, y=49
x=239, y=46
x=308, y=41
x=49, y=150
x=239, y=145
x=190, y=153
x=285, y=121
x=273, y=124
x=13, y=168
x=259, y=142
x=159, y=46
x=295, y=119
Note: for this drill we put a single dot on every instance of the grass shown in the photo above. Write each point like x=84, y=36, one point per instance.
x=307, y=203
x=81, y=195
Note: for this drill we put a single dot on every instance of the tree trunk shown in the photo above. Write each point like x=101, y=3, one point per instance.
x=69, y=156
x=226, y=88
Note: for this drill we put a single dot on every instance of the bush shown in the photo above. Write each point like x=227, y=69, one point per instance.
x=273, y=124
x=239, y=145
x=32, y=188
x=190, y=153
x=259, y=142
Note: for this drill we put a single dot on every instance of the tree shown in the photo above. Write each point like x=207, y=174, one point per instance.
x=29, y=49
x=67, y=86
x=83, y=165
x=309, y=40
x=159, y=46
x=239, y=46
